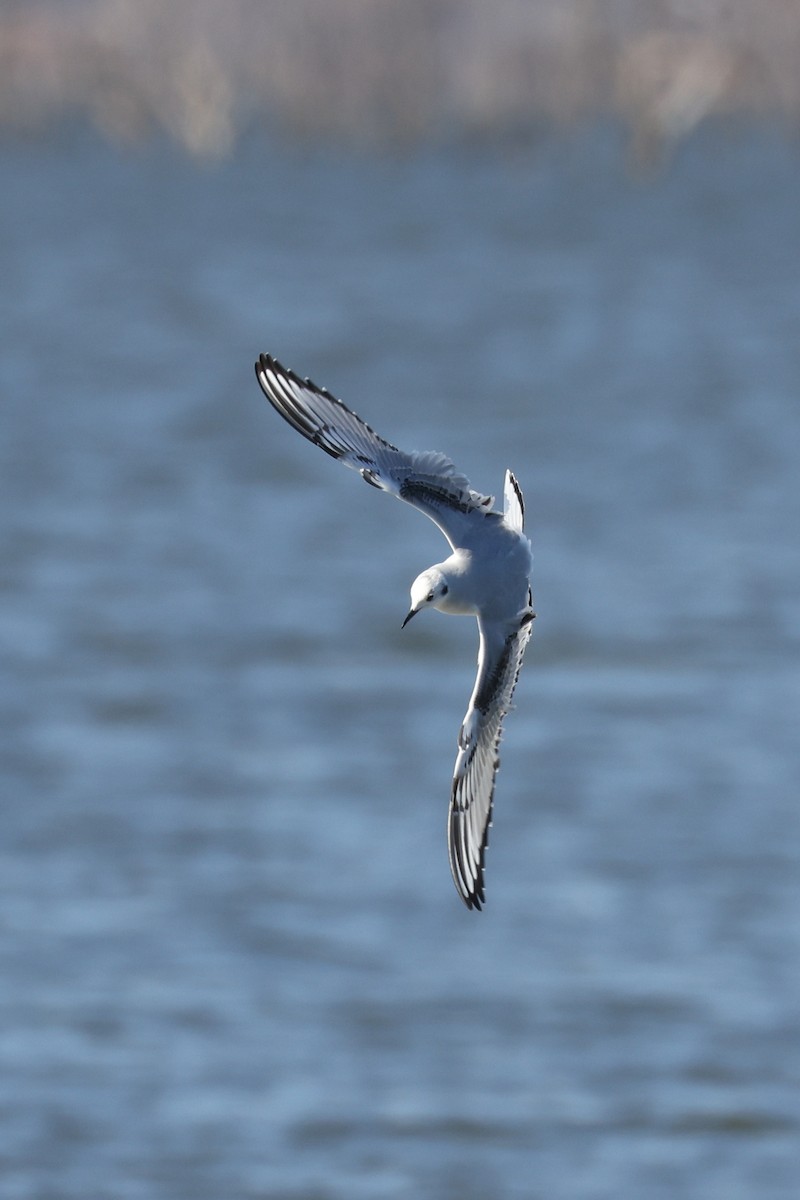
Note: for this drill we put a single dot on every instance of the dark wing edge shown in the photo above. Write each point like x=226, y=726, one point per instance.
x=472, y=795
x=309, y=409
x=426, y=480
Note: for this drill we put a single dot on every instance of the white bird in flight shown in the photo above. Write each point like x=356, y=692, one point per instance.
x=486, y=576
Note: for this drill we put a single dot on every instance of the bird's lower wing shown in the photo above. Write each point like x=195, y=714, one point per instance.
x=470, y=814
x=426, y=480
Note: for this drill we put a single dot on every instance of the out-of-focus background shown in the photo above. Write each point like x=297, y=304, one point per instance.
x=562, y=237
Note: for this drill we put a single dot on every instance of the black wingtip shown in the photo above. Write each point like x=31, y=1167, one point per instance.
x=265, y=362
x=262, y=363
x=470, y=883
x=518, y=491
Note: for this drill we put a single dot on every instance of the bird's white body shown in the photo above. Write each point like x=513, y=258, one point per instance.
x=487, y=575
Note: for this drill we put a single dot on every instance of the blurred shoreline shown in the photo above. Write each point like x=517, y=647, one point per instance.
x=395, y=73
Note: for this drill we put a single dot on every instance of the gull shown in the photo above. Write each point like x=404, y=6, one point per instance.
x=487, y=575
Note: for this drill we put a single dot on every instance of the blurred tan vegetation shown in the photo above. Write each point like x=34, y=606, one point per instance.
x=395, y=71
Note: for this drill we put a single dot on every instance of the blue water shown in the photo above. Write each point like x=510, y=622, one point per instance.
x=232, y=961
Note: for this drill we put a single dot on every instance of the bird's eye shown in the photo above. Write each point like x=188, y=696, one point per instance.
x=429, y=597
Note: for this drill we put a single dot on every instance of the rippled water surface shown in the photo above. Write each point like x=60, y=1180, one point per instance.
x=232, y=961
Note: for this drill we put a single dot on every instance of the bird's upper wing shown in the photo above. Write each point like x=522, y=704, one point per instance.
x=427, y=480
x=499, y=663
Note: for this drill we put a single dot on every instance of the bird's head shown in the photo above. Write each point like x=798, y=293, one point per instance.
x=428, y=589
